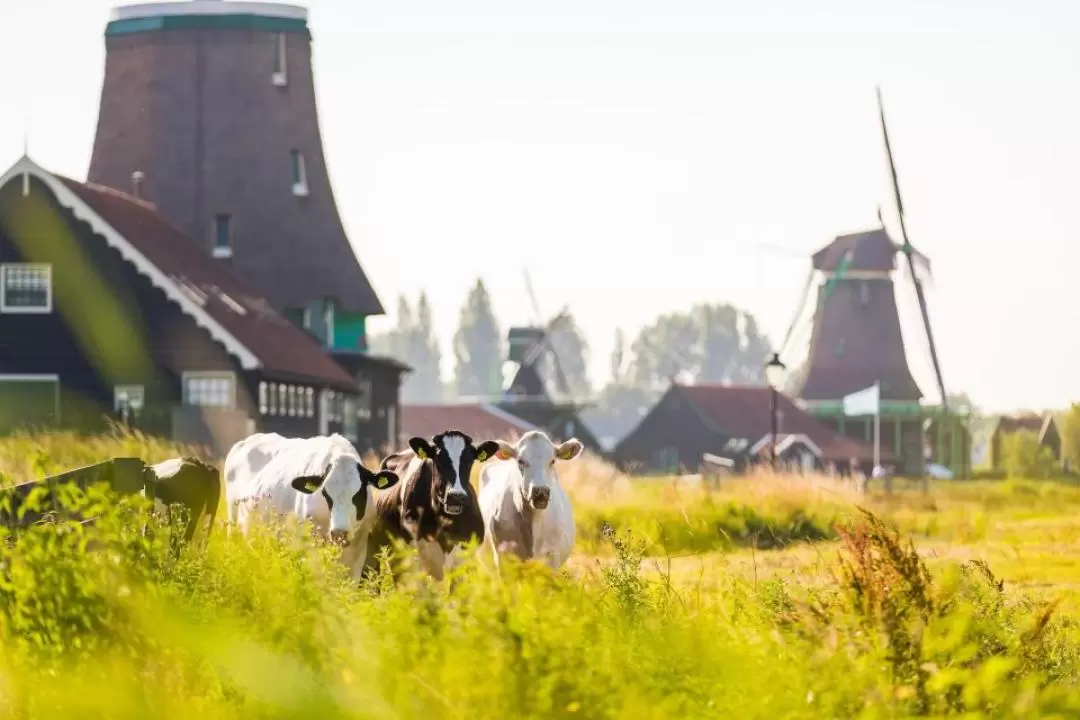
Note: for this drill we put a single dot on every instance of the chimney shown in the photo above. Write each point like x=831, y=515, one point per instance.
x=136, y=183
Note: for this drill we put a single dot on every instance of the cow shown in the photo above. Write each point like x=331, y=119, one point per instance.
x=190, y=482
x=526, y=511
x=434, y=508
x=318, y=478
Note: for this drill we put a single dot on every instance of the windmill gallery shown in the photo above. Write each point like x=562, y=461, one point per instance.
x=217, y=253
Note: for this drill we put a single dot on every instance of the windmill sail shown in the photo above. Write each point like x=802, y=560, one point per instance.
x=909, y=254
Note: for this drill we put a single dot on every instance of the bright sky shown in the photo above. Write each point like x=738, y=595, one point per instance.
x=643, y=156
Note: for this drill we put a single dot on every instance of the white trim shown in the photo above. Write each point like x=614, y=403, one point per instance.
x=20, y=309
x=16, y=377
x=208, y=375
x=786, y=441
x=82, y=211
x=207, y=7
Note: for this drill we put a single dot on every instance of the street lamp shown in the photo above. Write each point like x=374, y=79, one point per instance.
x=775, y=372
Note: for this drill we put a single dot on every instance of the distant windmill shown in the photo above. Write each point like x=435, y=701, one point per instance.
x=539, y=374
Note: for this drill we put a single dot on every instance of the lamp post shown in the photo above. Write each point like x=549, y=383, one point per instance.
x=775, y=372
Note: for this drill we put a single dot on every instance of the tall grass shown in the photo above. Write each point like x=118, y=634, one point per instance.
x=102, y=621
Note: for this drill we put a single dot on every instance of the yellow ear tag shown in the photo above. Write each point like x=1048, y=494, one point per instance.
x=421, y=454
x=481, y=456
x=382, y=481
x=312, y=485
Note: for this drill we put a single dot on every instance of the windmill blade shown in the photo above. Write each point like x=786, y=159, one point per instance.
x=532, y=295
x=908, y=253
x=799, y=310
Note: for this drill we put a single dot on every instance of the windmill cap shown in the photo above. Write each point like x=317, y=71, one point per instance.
x=192, y=8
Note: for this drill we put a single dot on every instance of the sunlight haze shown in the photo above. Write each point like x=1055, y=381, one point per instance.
x=640, y=157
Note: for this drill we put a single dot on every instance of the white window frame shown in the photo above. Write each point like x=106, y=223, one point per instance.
x=24, y=310
x=138, y=390
x=300, y=184
x=208, y=375
x=280, y=76
x=222, y=251
x=54, y=379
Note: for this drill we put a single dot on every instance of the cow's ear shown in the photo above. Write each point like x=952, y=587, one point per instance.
x=421, y=447
x=384, y=479
x=486, y=449
x=506, y=451
x=569, y=449
x=307, y=484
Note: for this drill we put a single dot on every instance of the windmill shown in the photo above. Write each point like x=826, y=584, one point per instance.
x=855, y=338
x=538, y=374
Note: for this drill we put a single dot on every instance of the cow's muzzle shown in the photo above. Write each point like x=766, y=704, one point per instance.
x=455, y=503
x=339, y=537
x=539, y=497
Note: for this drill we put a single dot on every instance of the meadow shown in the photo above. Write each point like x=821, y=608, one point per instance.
x=763, y=597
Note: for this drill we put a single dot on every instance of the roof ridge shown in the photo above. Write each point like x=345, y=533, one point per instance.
x=114, y=192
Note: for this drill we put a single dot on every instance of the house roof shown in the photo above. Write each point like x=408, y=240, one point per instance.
x=744, y=411
x=1037, y=424
x=476, y=420
x=203, y=288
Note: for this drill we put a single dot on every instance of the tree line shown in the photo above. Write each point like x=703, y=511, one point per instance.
x=710, y=342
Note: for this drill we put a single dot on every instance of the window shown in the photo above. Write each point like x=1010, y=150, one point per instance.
x=282, y=400
x=363, y=398
x=292, y=401
x=128, y=400
x=299, y=173
x=210, y=389
x=349, y=425
x=25, y=288
x=263, y=407
x=280, y=78
x=309, y=401
x=222, y=236
x=272, y=398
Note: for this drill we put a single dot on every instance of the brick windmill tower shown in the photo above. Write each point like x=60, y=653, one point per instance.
x=856, y=341
x=208, y=111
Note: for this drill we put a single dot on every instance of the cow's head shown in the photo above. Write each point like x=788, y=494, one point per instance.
x=536, y=456
x=452, y=453
x=345, y=485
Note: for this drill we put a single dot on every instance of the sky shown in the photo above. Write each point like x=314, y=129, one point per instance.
x=639, y=157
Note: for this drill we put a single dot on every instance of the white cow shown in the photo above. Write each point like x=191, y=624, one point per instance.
x=319, y=478
x=525, y=508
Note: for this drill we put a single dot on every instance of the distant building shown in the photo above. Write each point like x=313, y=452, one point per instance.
x=735, y=423
x=1045, y=429
x=479, y=421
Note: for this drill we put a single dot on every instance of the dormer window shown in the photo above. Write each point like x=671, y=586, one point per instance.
x=280, y=78
x=299, y=174
x=222, y=236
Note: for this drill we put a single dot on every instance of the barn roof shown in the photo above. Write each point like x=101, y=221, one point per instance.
x=746, y=412
x=204, y=288
x=477, y=420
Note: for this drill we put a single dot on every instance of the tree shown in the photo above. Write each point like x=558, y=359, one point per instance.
x=423, y=384
x=413, y=341
x=572, y=349
x=712, y=343
x=478, y=352
x=1023, y=456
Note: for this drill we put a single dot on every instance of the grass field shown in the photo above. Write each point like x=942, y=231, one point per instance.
x=768, y=597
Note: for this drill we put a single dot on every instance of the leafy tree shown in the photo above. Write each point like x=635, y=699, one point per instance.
x=478, y=347
x=572, y=348
x=1023, y=456
x=413, y=341
x=711, y=343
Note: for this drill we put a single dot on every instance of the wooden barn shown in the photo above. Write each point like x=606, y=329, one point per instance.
x=731, y=422
x=106, y=309
x=1045, y=429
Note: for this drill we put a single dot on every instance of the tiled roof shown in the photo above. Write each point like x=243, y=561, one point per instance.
x=481, y=422
x=746, y=412
x=279, y=345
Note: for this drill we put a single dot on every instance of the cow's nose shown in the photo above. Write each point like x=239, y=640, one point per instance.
x=540, y=496
x=339, y=537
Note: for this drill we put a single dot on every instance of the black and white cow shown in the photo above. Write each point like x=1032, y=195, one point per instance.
x=433, y=508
